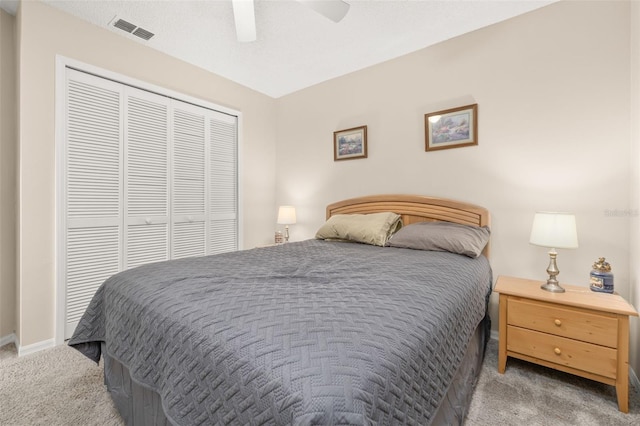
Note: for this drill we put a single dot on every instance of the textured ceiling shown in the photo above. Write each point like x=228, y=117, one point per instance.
x=296, y=47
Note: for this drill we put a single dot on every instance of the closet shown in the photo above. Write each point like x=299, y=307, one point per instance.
x=146, y=178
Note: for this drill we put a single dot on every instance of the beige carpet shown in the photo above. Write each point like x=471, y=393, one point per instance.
x=532, y=395
x=60, y=386
x=57, y=386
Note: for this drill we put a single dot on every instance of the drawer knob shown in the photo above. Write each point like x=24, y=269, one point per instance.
x=557, y=351
x=557, y=322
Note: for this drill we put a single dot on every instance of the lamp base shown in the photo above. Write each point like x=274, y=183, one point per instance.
x=552, y=287
x=552, y=283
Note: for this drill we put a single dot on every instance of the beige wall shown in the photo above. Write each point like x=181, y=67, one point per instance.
x=45, y=32
x=8, y=144
x=634, y=295
x=552, y=88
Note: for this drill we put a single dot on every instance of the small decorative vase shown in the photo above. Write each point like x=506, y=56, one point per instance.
x=601, y=278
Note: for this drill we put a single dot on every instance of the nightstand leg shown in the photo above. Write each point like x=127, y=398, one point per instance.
x=502, y=335
x=622, y=380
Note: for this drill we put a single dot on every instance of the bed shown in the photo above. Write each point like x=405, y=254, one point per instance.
x=317, y=332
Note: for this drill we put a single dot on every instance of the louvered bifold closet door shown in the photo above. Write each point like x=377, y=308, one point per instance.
x=190, y=134
x=146, y=148
x=93, y=232
x=223, y=188
x=143, y=178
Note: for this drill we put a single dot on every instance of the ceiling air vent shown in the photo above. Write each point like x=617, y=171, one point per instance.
x=124, y=25
x=142, y=33
x=132, y=28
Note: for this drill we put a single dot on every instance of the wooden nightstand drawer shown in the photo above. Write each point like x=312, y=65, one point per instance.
x=559, y=350
x=563, y=321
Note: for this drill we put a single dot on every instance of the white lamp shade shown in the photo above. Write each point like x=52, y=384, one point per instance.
x=286, y=215
x=555, y=230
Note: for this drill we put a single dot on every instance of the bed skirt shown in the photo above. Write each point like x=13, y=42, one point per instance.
x=141, y=406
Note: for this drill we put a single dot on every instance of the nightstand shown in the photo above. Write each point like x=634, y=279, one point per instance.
x=579, y=332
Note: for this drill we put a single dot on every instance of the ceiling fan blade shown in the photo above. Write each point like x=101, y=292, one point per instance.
x=244, y=16
x=332, y=9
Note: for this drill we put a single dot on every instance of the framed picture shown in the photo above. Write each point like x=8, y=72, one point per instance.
x=451, y=128
x=350, y=143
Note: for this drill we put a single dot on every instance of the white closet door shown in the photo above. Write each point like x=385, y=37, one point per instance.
x=189, y=133
x=93, y=235
x=146, y=179
x=223, y=188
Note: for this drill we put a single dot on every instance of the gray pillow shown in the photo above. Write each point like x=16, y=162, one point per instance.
x=442, y=236
x=374, y=228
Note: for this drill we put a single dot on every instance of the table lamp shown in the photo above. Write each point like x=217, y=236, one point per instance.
x=554, y=230
x=286, y=216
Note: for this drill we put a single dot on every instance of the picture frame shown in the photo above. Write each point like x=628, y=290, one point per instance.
x=350, y=144
x=451, y=128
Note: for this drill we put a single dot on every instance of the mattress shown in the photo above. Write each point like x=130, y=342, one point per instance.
x=313, y=332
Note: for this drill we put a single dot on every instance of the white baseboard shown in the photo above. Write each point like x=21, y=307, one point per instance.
x=5, y=340
x=494, y=334
x=36, y=347
x=633, y=379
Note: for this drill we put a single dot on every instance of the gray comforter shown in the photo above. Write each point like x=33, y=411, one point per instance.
x=309, y=333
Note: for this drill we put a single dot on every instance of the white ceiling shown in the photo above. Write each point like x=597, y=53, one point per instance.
x=296, y=47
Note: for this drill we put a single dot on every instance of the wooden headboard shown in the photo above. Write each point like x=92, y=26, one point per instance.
x=416, y=208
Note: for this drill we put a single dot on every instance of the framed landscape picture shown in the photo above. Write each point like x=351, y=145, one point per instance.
x=451, y=128
x=350, y=143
